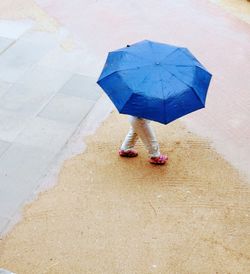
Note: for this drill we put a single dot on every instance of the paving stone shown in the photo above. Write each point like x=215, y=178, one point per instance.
x=58, y=58
x=13, y=194
x=46, y=37
x=4, y=146
x=14, y=29
x=19, y=57
x=76, y=60
x=4, y=86
x=82, y=86
x=24, y=99
x=91, y=66
x=21, y=169
x=11, y=124
x=44, y=133
x=25, y=161
x=67, y=109
x=33, y=90
x=5, y=271
x=45, y=79
x=36, y=76
x=5, y=43
x=3, y=225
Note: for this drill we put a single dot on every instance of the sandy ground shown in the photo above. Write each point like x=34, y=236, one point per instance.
x=114, y=215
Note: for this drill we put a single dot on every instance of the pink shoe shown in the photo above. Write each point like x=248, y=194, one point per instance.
x=128, y=153
x=161, y=160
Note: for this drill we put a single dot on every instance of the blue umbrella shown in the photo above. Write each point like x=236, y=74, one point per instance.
x=155, y=81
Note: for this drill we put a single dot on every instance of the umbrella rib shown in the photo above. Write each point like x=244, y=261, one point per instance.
x=139, y=56
x=187, y=66
x=135, y=90
x=203, y=104
x=188, y=86
x=132, y=68
x=150, y=45
x=190, y=54
x=128, y=70
x=144, y=78
x=163, y=96
x=131, y=53
x=169, y=54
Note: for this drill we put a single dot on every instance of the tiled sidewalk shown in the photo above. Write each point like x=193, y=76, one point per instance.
x=44, y=97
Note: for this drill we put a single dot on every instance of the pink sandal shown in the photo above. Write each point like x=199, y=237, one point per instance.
x=128, y=153
x=161, y=160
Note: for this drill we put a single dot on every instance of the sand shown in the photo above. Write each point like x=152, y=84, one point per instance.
x=113, y=215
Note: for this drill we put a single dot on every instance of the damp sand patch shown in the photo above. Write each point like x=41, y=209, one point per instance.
x=113, y=215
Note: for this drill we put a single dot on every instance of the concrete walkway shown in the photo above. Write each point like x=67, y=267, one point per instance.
x=44, y=97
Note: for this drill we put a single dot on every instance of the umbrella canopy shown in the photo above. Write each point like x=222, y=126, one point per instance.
x=155, y=81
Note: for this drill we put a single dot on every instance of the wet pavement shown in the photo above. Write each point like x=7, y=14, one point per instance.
x=219, y=40
x=48, y=90
x=44, y=98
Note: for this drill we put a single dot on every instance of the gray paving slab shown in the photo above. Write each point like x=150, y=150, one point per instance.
x=13, y=29
x=67, y=109
x=4, y=86
x=23, y=99
x=34, y=90
x=3, y=225
x=5, y=271
x=19, y=57
x=13, y=194
x=48, y=38
x=46, y=134
x=11, y=124
x=82, y=86
x=5, y=43
x=54, y=38
x=43, y=99
x=44, y=80
x=78, y=60
x=4, y=146
x=21, y=168
x=25, y=161
x=58, y=58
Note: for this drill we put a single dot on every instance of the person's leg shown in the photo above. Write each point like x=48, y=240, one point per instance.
x=146, y=133
x=130, y=140
x=127, y=147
